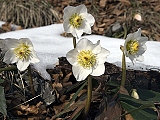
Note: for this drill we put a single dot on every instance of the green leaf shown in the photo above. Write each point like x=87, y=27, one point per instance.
x=140, y=109
x=2, y=102
x=1, y=80
x=138, y=113
x=148, y=95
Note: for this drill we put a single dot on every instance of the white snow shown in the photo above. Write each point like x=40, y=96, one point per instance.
x=49, y=45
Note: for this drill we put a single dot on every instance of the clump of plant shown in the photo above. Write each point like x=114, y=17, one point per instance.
x=28, y=13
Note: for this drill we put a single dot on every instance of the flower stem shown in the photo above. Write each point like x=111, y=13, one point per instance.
x=89, y=97
x=31, y=81
x=8, y=69
x=123, y=68
x=74, y=42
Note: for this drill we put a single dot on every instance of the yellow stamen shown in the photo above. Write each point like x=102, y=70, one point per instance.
x=22, y=51
x=132, y=47
x=86, y=59
x=75, y=20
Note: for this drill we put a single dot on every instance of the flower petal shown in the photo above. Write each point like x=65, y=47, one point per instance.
x=22, y=65
x=81, y=9
x=77, y=32
x=102, y=56
x=67, y=27
x=68, y=12
x=142, y=40
x=34, y=59
x=72, y=56
x=129, y=37
x=140, y=58
x=100, y=69
x=86, y=27
x=90, y=19
x=11, y=43
x=137, y=34
x=7, y=57
x=80, y=73
x=84, y=44
x=97, y=49
x=142, y=49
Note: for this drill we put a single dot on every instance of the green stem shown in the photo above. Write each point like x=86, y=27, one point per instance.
x=123, y=68
x=31, y=81
x=125, y=32
x=8, y=69
x=74, y=42
x=89, y=97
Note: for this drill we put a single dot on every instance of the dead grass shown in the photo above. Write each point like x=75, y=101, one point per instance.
x=28, y=13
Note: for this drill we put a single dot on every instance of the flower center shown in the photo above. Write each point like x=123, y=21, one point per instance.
x=132, y=46
x=86, y=59
x=75, y=20
x=22, y=51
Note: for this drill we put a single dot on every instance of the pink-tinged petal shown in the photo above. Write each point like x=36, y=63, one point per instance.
x=137, y=34
x=102, y=56
x=72, y=56
x=80, y=73
x=81, y=9
x=68, y=12
x=84, y=44
x=140, y=58
x=22, y=65
x=100, y=69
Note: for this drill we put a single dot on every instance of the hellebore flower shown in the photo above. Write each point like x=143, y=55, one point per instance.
x=20, y=52
x=134, y=46
x=77, y=20
x=87, y=59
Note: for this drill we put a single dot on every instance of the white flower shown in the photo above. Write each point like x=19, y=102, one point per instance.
x=134, y=46
x=20, y=52
x=77, y=20
x=87, y=59
x=134, y=94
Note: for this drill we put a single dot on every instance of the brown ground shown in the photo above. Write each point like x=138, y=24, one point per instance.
x=58, y=92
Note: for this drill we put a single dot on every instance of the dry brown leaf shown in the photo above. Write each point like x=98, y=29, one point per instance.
x=126, y=2
x=122, y=90
x=7, y=26
x=19, y=28
x=117, y=12
x=112, y=111
x=157, y=8
x=79, y=104
x=129, y=117
x=102, y=3
x=157, y=37
x=31, y=109
x=67, y=77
